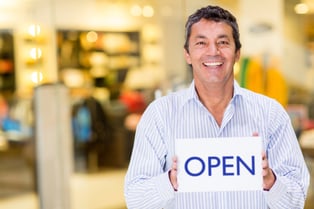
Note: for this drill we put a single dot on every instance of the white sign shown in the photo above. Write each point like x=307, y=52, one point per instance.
x=219, y=164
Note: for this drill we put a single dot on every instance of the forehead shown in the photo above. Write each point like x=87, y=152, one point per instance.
x=210, y=27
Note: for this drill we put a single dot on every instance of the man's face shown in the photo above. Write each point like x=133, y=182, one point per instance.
x=212, y=52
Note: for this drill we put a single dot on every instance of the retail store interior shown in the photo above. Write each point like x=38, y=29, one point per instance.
x=76, y=75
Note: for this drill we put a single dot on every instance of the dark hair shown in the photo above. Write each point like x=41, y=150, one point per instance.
x=214, y=13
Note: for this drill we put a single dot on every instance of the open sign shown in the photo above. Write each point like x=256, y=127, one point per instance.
x=219, y=164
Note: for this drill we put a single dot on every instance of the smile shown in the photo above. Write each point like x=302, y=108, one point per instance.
x=212, y=64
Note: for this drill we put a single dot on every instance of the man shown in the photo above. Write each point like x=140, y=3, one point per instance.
x=214, y=106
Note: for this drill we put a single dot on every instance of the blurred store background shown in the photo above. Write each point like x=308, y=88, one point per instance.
x=76, y=75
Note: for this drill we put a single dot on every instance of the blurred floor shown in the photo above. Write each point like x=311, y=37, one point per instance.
x=98, y=191
x=103, y=190
x=16, y=177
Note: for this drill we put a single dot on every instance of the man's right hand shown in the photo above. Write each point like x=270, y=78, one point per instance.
x=173, y=173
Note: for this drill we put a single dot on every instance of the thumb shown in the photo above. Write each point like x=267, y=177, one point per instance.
x=255, y=133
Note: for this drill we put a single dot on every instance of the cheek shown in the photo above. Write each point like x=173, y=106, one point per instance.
x=231, y=56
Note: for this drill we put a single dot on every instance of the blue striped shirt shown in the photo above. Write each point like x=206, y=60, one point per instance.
x=182, y=115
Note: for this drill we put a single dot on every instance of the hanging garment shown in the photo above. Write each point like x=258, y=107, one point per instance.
x=276, y=86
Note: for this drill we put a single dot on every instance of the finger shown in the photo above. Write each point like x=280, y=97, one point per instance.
x=173, y=179
x=264, y=173
x=264, y=161
x=174, y=159
x=255, y=133
x=264, y=155
x=174, y=163
x=264, y=164
x=173, y=173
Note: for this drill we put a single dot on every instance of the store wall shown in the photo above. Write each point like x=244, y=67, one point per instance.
x=168, y=21
x=19, y=17
x=280, y=40
x=296, y=59
x=162, y=34
x=261, y=27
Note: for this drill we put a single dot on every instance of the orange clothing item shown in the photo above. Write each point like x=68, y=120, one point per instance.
x=276, y=86
x=255, y=77
x=269, y=82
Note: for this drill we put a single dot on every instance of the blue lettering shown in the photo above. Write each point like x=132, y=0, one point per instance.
x=211, y=164
x=240, y=161
x=225, y=166
x=186, y=167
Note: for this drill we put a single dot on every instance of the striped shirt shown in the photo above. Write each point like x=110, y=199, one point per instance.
x=182, y=115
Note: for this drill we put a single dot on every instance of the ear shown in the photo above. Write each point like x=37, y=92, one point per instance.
x=187, y=57
x=237, y=56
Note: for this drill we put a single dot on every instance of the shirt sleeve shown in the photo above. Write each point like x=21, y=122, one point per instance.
x=147, y=183
x=287, y=162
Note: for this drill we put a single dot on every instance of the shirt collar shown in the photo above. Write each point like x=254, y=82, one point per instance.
x=192, y=95
x=237, y=89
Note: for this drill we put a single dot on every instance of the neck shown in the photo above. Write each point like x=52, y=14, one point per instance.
x=215, y=98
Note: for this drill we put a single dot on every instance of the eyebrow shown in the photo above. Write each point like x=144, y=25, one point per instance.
x=200, y=37
x=223, y=36
x=204, y=37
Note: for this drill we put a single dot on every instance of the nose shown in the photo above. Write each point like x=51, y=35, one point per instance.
x=213, y=49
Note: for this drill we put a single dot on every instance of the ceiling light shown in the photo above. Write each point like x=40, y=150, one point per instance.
x=148, y=11
x=301, y=8
x=136, y=10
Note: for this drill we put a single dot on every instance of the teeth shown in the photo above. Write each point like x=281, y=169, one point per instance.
x=212, y=63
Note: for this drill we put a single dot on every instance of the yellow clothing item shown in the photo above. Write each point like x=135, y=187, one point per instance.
x=255, y=76
x=276, y=86
x=269, y=82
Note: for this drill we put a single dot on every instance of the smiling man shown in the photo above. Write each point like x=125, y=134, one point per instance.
x=214, y=106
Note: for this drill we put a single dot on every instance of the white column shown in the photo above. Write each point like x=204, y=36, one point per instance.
x=254, y=16
x=53, y=146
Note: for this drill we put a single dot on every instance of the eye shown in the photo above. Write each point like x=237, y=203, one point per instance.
x=200, y=43
x=223, y=43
